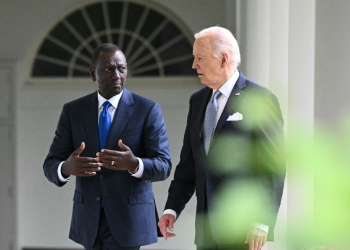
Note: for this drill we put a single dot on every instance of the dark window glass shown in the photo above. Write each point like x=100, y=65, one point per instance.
x=125, y=43
x=73, y=33
x=80, y=73
x=153, y=21
x=82, y=63
x=50, y=49
x=115, y=38
x=148, y=62
x=169, y=32
x=78, y=22
x=180, y=69
x=93, y=44
x=62, y=33
x=95, y=13
x=179, y=49
x=134, y=14
x=103, y=39
x=115, y=11
x=154, y=72
x=85, y=52
x=46, y=69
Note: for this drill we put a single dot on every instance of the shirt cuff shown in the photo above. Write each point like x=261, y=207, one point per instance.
x=262, y=227
x=170, y=211
x=139, y=172
x=60, y=177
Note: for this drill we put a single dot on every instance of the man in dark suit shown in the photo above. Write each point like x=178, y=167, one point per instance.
x=113, y=206
x=233, y=144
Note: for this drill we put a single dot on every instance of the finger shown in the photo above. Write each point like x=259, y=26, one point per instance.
x=262, y=242
x=259, y=245
x=170, y=235
x=108, y=152
x=90, y=169
x=79, y=150
x=171, y=224
x=251, y=245
x=87, y=159
x=111, y=161
x=87, y=174
x=162, y=227
x=254, y=244
x=108, y=158
x=123, y=146
x=87, y=165
x=110, y=166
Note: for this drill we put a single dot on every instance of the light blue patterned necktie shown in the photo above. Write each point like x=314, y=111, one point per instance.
x=209, y=120
x=104, y=125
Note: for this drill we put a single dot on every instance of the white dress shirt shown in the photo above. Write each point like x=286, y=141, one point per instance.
x=225, y=90
x=111, y=111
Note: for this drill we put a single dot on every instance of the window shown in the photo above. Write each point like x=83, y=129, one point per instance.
x=153, y=40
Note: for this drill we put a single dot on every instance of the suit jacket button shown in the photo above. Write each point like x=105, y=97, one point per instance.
x=98, y=198
x=101, y=176
x=147, y=181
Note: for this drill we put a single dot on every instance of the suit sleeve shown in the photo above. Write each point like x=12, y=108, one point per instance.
x=183, y=186
x=157, y=163
x=60, y=149
x=270, y=154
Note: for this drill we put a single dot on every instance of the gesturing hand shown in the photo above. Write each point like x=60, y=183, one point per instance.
x=256, y=238
x=167, y=221
x=118, y=160
x=80, y=166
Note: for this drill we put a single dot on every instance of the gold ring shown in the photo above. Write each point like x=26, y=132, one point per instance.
x=112, y=163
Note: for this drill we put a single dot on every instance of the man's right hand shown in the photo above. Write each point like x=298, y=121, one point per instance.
x=80, y=166
x=167, y=221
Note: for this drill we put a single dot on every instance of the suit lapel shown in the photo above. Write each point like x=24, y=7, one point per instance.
x=90, y=122
x=121, y=117
x=232, y=101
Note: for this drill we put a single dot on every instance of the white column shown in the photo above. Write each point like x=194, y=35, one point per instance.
x=278, y=84
x=301, y=82
x=277, y=41
x=257, y=42
x=8, y=205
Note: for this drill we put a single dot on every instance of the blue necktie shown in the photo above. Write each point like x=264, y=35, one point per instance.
x=209, y=120
x=104, y=125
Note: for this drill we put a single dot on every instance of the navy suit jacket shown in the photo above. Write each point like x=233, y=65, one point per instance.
x=128, y=202
x=251, y=149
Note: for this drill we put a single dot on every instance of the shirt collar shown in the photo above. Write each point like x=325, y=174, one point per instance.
x=114, y=100
x=227, y=88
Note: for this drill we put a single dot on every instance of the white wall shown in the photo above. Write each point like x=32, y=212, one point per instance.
x=8, y=204
x=332, y=72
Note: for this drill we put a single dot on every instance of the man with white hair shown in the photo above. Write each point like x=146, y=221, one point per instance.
x=232, y=154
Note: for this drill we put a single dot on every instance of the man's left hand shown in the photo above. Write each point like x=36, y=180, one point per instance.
x=256, y=238
x=118, y=160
